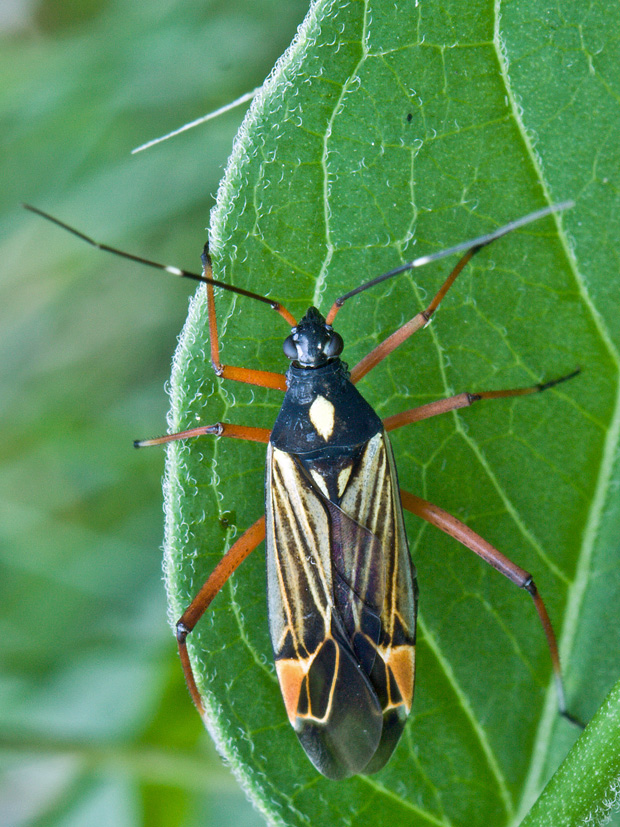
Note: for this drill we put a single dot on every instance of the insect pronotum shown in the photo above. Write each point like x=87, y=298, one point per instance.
x=341, y=586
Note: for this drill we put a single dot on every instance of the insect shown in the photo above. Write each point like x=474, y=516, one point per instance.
x=341, y=587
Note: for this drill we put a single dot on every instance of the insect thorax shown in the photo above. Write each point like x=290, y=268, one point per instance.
x=323, y=413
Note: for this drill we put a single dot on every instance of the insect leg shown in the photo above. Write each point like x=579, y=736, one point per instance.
x=469, y=248
x=379, y=353
x=455, y=528
x=463, y=400
x=262, y=378
x=233, y=558
x=219, y=429
x=409, y=328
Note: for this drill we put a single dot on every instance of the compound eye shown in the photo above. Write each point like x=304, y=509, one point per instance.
x=289, y=348
x=334, y=346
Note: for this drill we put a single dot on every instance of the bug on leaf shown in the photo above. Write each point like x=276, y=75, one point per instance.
x=341, y=586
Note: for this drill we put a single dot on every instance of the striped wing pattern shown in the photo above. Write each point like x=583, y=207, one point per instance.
x=342, y=603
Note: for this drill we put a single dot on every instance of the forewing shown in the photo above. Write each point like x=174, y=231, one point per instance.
x=371, y=498
x=328, y=697
x=341, y=604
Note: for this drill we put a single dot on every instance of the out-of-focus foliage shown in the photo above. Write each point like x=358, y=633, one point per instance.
x=96, y=726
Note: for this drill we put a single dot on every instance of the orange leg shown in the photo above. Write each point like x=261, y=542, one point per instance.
x=470, y=249
x=386, y=347
x=455, y=528
x=233, y=558
x=463, y=400
x=219, y=429
x=262, y=378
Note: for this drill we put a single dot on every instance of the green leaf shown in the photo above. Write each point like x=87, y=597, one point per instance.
x=585, y=787
x=389, y=131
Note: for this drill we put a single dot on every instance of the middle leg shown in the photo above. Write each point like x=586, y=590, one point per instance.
x=464, y=400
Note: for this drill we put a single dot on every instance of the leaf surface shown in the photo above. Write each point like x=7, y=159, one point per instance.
x=386, y=132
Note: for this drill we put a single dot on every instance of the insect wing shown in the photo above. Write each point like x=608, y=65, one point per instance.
x=372, y=498
x=329, y=699
x=331, y=568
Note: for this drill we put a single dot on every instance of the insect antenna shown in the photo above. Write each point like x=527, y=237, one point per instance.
x=470, y=247
x=175, y=271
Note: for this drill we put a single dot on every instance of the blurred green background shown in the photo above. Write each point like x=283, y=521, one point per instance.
x=95, y=723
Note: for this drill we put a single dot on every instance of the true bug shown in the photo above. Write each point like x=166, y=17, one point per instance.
x=341, y=586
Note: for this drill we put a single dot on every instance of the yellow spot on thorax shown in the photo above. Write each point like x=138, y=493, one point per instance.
x=322, y=416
